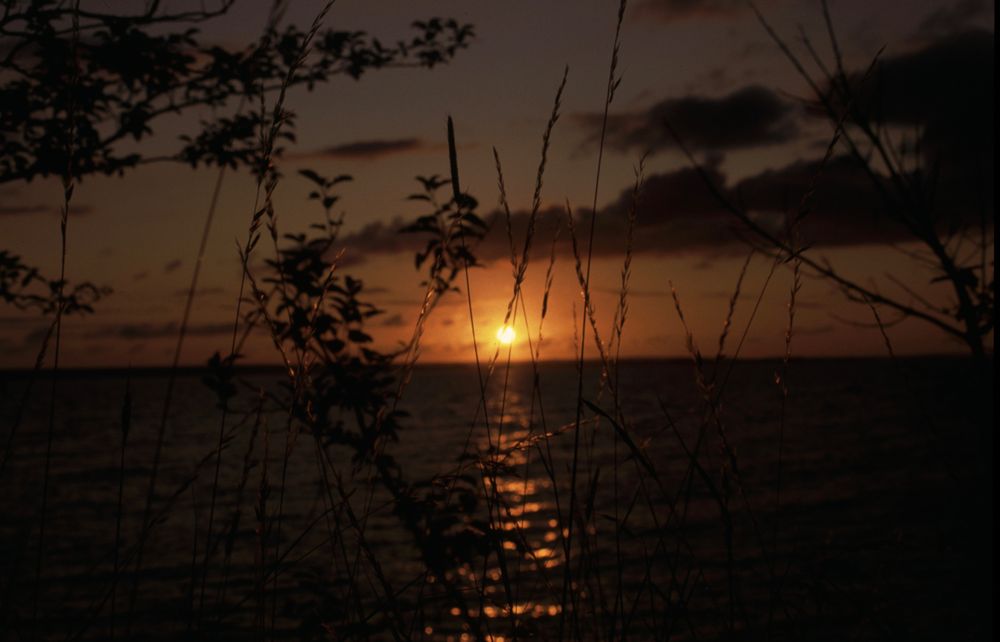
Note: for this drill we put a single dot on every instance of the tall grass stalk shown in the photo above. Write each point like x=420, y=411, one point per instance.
x=274, y=16
x=612, y=85
x=723, y=500
x=268, y=180
x=189, y=300
x=519, y=267
x=68, y=185
x=260, y=559
x=126, y=424
x=730, y=311
x=234, y=524
x=492, y=500
x=161, y=516
x=621, y=314
x=796, y=245
x=193, y=582
x=782, y=381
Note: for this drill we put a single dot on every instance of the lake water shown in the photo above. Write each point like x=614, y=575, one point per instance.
x=871, y=541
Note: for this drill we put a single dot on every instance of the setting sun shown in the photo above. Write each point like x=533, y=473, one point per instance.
x=506, y=335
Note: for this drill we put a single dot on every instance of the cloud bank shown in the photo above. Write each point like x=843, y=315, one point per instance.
x=749, y=117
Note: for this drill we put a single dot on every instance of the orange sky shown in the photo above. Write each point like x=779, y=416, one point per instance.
x=139, y=233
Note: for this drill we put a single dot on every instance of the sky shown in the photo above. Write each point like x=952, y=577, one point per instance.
x=707, y=65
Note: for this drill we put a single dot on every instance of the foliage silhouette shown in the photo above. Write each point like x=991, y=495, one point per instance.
x=345, y=393
x=133, y=70
x=908, y=172
x=122, y=74
x=26, y=288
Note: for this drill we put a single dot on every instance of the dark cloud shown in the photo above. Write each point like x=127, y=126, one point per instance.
x=940, y=96
x=688, y=227
x=847, y=208
x=946, y=88
x=377, y=238
x=674, y=10
x=35, y=337
x=22, y=210
x=815, y=330
x=676, y=214
x=27, y=209
x=32, y=329
x=844, y=210
x=393, y=321
x=206, y=291
x=958, y=16
x=636, y=293
x=369, y=149
x=749, y=117
x=138, y=331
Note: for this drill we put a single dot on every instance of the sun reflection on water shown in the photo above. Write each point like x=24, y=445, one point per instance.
x=524, y=512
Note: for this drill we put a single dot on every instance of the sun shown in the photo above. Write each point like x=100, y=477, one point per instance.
x=506, y=335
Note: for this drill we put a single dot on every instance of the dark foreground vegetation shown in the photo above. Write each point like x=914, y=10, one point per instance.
x=871, y=537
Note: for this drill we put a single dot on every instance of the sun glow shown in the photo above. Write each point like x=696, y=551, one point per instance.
x=506, y=335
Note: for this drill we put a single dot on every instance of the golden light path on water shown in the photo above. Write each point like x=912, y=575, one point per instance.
x=524, y=510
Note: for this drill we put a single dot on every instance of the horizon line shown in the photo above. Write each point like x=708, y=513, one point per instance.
x=277, y=367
